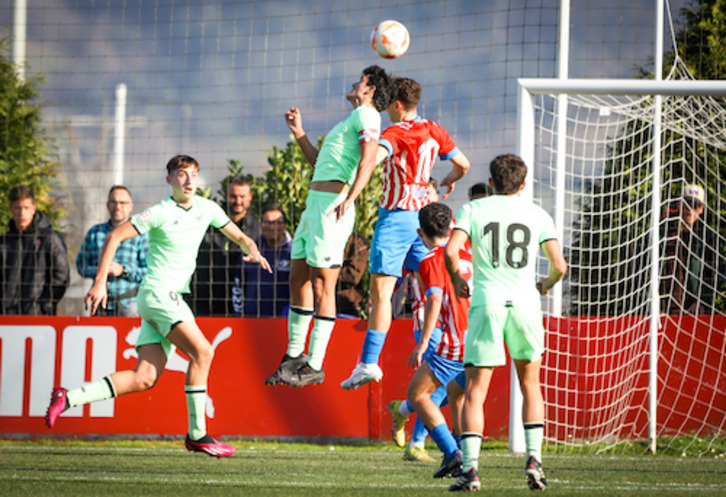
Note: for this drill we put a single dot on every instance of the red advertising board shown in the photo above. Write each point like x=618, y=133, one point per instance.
x=39, y=353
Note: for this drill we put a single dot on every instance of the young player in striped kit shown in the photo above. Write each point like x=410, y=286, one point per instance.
x=411, y=146
x=176, y=226
x=506, y=233
x=437, y=367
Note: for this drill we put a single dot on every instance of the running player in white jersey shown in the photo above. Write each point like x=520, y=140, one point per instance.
x=176, y=227
x=342, y=169
x=410, y=147
x=506, y=233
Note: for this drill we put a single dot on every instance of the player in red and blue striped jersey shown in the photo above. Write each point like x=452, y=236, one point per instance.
x=439, y=366
x=408, y=149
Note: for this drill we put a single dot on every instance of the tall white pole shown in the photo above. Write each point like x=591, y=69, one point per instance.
x=563, y=60
x=19, y=33
x=655, y=236
x=119, y=135
x=525, y=149
x=526, y=152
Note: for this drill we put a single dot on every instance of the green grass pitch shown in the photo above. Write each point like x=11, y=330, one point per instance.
x=161, y=468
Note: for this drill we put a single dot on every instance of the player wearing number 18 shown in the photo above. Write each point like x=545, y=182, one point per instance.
x=506, y=232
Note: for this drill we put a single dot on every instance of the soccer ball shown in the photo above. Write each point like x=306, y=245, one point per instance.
x=389, y=39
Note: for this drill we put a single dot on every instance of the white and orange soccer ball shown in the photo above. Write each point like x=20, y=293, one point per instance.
x=389, y=39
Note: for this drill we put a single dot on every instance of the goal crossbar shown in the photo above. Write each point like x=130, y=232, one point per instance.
x=622, y=86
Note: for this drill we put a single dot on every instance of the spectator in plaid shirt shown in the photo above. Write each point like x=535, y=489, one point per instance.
x=129, y=265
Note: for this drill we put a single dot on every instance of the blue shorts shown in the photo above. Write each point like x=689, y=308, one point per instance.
x=396, y=241
x=434, y=341
x=443, y=369
x=460, y=378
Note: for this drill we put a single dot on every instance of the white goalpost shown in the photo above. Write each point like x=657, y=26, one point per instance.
x=625, y=158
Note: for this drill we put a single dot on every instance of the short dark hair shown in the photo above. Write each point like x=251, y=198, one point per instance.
x=179, y=162
x=435, y=220
x=479, y=190
x=119, y=187
x=21, y=192
x=273, y=207
x=239, y=180
x=385, y=89
x=408, y=92
x=508, y=173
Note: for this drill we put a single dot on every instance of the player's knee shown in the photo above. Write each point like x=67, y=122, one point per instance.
x=454, y=392
x=530, y=386
x=381, y=293
x=204, y=355
x=415, y=396
x=324, y=292
x=144, y=381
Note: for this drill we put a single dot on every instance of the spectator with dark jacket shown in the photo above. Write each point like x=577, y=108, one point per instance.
x=689, y=265
x=261, y=293
x=218, y=257
x=34, y=271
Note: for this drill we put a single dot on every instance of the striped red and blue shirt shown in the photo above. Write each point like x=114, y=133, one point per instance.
x=454, y=314
x=412, y=150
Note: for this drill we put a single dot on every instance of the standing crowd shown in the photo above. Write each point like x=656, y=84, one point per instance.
x=473, y=275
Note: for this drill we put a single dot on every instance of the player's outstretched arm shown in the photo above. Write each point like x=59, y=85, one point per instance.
x=97, y=294
x=293, y=118
x=460, y=167
x=558, y=266
x=248, y=246
x=451, y=256
x=368, y=161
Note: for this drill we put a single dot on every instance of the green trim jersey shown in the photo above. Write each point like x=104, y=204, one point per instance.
x=175, y=234
x=340, y=154
x=506, y=233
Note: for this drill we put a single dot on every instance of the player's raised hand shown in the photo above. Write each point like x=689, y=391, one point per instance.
x=293, y=119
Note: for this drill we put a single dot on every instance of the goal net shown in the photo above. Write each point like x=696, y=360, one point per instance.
x=596, y=369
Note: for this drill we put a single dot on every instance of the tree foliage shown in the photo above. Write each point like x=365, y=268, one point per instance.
x=25, y=149
x=609, y=257
x=701, y=38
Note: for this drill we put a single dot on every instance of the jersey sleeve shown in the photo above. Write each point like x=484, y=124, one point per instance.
x=447, y=147
x=431, y=273
x=463, y=219
x=388, y=140
x=150, y=218
x=548, y=228
x=368, y=124
x=218, y=218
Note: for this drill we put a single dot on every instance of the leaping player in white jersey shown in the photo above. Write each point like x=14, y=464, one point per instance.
x=176, y=227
